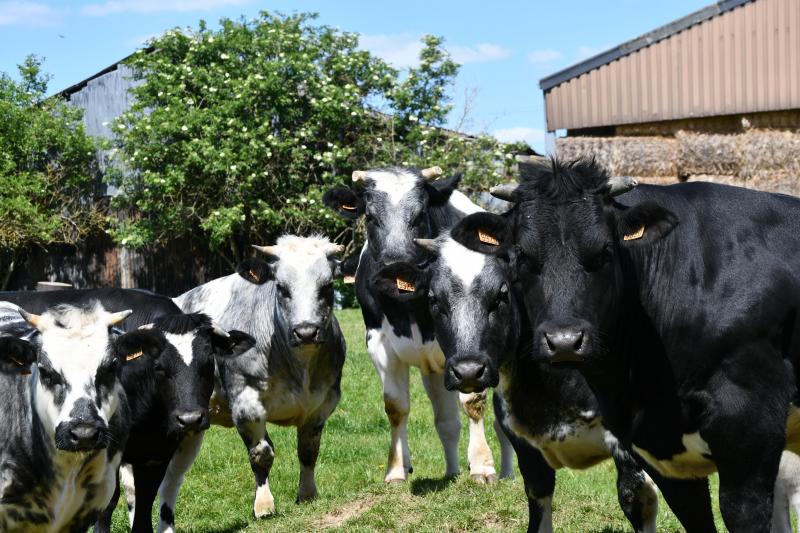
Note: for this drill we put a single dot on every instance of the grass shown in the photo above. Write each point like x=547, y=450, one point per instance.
x=217, y=495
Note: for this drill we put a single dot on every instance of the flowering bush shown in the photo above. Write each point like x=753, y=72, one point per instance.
x=236, y=133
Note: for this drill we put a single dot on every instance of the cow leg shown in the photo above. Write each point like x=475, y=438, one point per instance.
x=308, y=438
x=147, y=479
x=103, y=524
x=181, y=461
x=394, y=377
x=446, y=418
x=506, y=449
x=262, y=454
x=127, y=481
x=689, y=500
x=481, y=462
x=637, y=493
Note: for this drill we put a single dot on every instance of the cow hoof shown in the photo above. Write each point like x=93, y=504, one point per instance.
x=264, y=511
x=394, y=480
x=484, y=479
x=304, y=498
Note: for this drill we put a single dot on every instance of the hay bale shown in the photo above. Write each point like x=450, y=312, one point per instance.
x=769, y=150
x=624, y=156
x=711, y=154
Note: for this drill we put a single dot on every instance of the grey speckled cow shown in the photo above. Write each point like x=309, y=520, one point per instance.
x=291, y=377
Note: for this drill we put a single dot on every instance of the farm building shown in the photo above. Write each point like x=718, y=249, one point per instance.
x=714, y=95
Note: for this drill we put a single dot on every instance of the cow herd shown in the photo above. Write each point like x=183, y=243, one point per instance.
x=654, y=325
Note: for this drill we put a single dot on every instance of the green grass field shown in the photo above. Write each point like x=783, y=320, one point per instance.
x=217, y=495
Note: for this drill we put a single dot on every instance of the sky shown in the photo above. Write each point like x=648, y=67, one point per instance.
x=505, y=47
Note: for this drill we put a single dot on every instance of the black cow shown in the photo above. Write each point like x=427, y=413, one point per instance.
x=400, y=204
x=168, y=391
x=679, y=306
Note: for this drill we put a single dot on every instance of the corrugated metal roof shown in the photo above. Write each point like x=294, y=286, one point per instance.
x=640, y=42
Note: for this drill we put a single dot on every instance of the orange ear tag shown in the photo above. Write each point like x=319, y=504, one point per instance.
x=638, y=234
x=405, y=286
x=254, y=275
x=486, y=238
x=134, y=355
x=348, y=207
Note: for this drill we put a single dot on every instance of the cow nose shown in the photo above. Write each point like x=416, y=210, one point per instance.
x=306, y=333
x=190, y=420
x=84, y=435
x=564, y=345
x=468, y=375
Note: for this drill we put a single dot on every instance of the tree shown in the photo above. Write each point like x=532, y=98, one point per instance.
x=46, y=169
x=236, y=133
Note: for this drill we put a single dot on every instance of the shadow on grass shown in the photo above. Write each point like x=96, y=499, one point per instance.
x=426, y=485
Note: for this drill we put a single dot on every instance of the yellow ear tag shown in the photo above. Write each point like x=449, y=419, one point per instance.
x=486, y=238
x=405, y=286
x=635, y=235
x=24, y=371
x=348, y=207
x=254, y=275
x=349, y=280
x=134, y=355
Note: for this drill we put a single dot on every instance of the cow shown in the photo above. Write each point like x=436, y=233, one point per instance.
x=292, y=375
x=549, y=414
x=679, y=306
x=65, y=418
x=398, y=205
x=168, y=391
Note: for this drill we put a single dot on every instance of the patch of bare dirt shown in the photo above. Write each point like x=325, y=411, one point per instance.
x=349, y=510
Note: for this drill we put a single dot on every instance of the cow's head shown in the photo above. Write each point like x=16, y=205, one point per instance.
x=76, y=379
x=179, y=372
x=16, y=355
x=470, y=301
x=396, y=205
x=302, y=270
x=570, y=239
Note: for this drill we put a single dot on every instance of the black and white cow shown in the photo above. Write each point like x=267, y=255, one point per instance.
x=400, y=204
x=679, y=304
x=64, y=419
x=168, y=391
x=549, y=414
x=292, y=375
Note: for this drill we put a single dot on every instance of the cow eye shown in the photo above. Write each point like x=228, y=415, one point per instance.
x=371, y=219
x=283, y=290
x=326, y=292
x=501, y=298
x=49, y=377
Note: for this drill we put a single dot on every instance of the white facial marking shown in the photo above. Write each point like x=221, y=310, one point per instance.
x=395, y=185
x=183, y=344
x=465, y=264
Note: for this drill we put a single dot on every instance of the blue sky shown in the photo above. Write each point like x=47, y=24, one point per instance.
x=505, y=47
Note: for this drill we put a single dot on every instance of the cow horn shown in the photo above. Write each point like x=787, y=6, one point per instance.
x=217, y=329
x=432, y=173
x=116, y=318
x=359, y=175
x=504, y=191
x=267, y=250
x=427, y=244
x=30, y=318
x=621, y=184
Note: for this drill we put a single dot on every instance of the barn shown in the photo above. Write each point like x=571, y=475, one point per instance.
x=714, y=95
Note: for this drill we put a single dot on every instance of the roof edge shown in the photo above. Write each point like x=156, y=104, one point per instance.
x=64, y=93
x=640, y=42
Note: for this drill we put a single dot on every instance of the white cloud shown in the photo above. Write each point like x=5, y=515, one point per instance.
x=585, y=52
x=154, y=6
x=533, y=136
x=402, y=50
x=29, y=14
x=480, y=53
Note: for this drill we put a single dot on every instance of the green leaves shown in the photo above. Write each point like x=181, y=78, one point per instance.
x=235, y=133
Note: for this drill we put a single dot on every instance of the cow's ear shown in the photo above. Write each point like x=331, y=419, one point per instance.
x=644, y=224
x=346, y=268
x=233, y=345
x=345, y=202
x=439, y=191
x=402, y=281
x=486, y=233
x=255, y=271
x=134, y=345
x=17, y=355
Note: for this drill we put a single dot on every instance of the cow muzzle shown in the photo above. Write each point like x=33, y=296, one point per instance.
x=307, y=333
x=469, y=374
x=566, y=345
x=80, y=436
x=192, y=421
